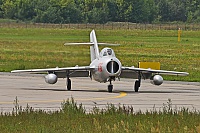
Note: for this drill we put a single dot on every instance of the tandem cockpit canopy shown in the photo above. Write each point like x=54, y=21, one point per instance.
x=107, y=52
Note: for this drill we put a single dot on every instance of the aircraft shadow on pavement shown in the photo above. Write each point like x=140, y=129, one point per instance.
x=158, y=92
x=73, y=90
x=105, y=91
x=43, y=89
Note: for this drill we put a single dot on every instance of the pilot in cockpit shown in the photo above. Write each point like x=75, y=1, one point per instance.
x=107, y=52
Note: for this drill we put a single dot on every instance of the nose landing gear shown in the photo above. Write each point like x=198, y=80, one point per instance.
x=110, y=86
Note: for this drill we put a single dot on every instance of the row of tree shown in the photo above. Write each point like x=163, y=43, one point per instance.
x=101, y=11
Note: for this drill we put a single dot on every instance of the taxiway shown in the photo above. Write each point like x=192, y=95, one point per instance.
x=31, y=89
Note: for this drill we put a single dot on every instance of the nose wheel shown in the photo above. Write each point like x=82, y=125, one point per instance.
x=110, y=86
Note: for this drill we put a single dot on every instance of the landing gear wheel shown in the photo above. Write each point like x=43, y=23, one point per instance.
x=69, y=86
x=137, y=85
x=110, y=88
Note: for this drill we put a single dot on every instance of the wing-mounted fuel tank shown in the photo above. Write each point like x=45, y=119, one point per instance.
x=156, y=80
x=51, y=78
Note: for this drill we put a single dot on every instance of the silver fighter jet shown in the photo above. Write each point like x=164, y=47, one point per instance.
x=104, y=67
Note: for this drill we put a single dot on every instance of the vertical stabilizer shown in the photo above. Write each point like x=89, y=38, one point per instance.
x=94, y=49
x=92, y=53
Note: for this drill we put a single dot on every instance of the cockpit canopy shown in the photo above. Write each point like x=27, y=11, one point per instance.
x=107, y=52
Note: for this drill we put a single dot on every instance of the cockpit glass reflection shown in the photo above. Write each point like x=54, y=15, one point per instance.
x=104, y=53
x=109, y=51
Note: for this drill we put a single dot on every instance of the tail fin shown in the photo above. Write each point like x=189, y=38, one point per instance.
x=94, y=49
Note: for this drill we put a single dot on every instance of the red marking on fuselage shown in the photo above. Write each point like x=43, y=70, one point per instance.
x=100, y=67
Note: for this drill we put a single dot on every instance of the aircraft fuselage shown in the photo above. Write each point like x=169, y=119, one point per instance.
x=106, y=68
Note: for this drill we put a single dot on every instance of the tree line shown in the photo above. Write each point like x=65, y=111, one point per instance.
x=101, y=11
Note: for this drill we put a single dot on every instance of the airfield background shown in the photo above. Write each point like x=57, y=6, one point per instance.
x=101, y=12
x=109, y=26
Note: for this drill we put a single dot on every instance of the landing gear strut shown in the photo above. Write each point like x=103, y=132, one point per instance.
x=68, y=84
x=110, y=86
x=137, y=83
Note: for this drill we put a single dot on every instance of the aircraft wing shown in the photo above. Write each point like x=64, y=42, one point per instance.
x=54, y=69
x=82, y=71
x=129, y=72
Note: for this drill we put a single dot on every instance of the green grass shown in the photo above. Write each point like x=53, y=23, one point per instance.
x=24, y=48
x=73, y=118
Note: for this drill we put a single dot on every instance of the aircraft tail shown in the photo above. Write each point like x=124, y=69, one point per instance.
x=94, y=49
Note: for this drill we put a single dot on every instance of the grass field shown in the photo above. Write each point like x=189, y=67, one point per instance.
x=41, y=48
x=24, y=48
x=74, y=119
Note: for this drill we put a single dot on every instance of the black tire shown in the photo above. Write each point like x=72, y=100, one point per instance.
x=110, y=88
x=69, y=86
x=137, y=85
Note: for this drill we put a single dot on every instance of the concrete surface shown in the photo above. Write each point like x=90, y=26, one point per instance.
x=31, y=89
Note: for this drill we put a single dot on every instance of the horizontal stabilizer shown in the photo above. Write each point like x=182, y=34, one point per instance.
x=90, y=43
x=108, y=44
x=84, y=43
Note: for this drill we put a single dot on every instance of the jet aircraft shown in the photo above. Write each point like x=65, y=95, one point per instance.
x=104, y=67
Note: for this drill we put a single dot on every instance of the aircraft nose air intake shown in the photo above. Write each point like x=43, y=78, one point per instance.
x=112, y=67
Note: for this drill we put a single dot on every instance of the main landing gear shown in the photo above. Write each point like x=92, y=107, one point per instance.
x=137, y=83
x=68, y=84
